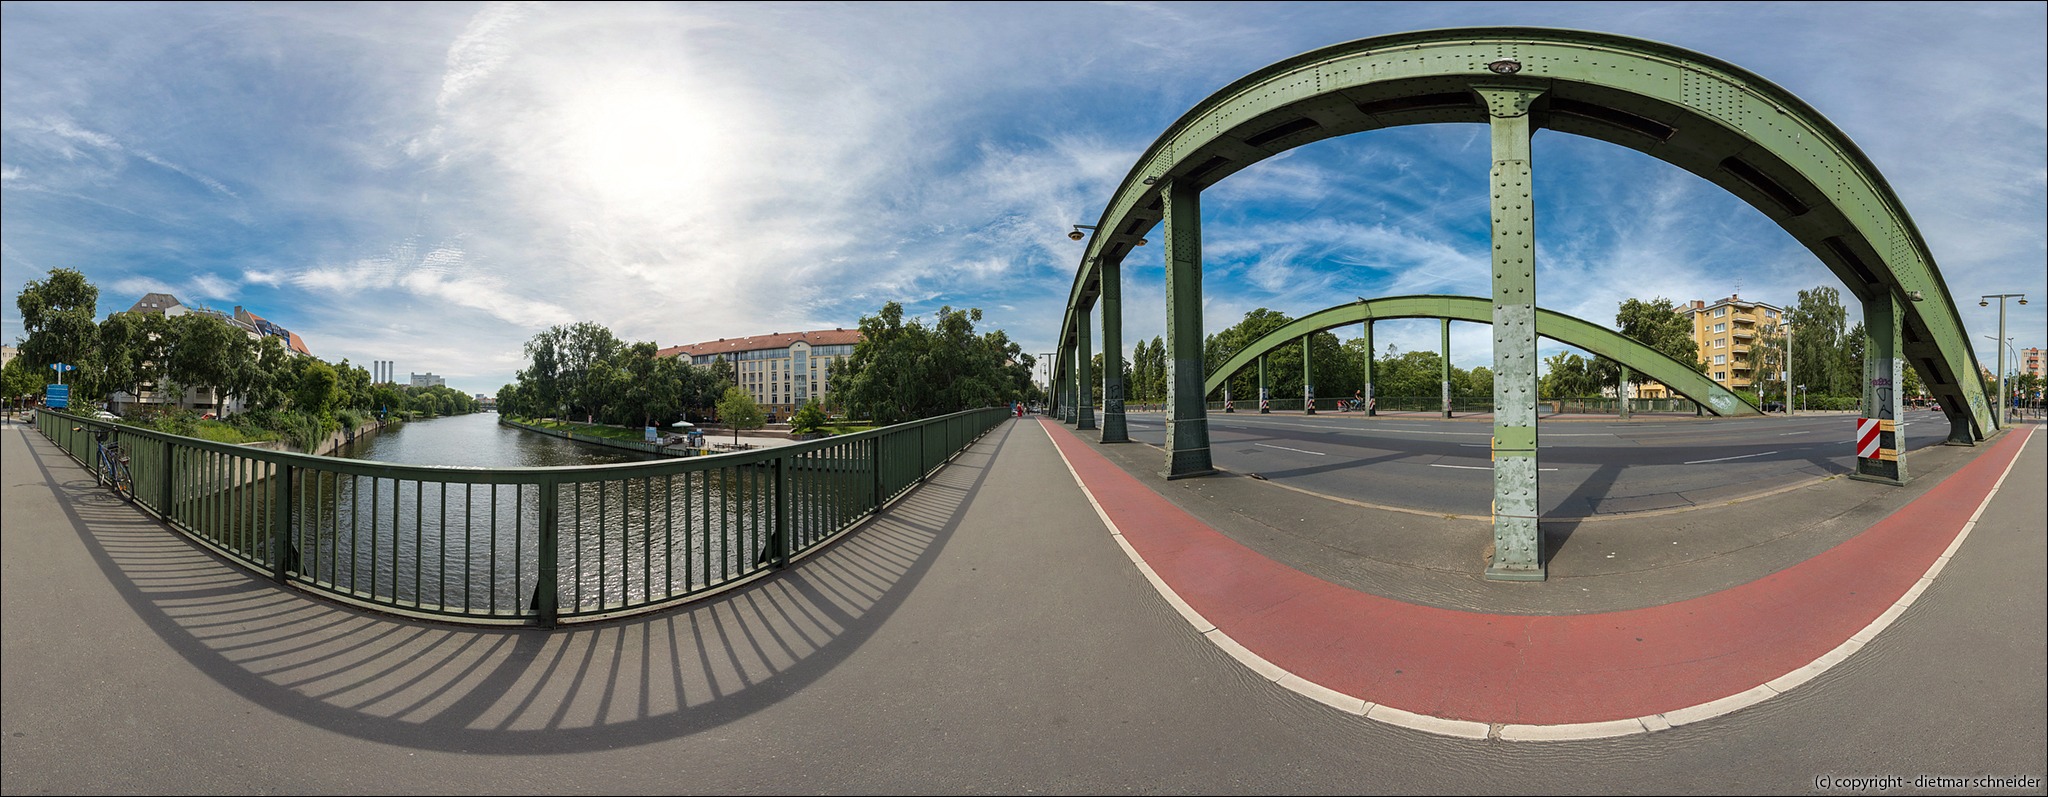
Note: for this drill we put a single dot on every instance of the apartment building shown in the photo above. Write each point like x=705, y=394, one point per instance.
x=781, y=370
x=1726, y=331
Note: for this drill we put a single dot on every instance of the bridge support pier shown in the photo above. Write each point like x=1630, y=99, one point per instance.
x=1621, y=392
x=1517, y=537
x=1084, y=368
x=1445, y=380
x=1308, y=375
x=1884, y=460
x=1264, y=397
x=1369, y=403
x=1113, y=428
x=1187, y=400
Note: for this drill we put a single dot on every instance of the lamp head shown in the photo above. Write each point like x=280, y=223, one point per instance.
x=2023, y=300
x=1983, y=302
x=1076, y=235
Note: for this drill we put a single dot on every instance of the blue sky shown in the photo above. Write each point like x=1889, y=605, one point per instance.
x=434, y=183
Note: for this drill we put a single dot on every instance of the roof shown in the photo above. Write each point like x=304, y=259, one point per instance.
x=297, y=345
x=154, y=303
x=773, y=340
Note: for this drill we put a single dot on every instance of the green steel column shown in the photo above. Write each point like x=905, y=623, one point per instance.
x=1113, y=429
x=1446, y=365
x=1070, y=416
x=1517, y=538
x=1621, y=392
x=1084, y=366
x=1308, y=376
x=1264, y=397
x=1368, y=370
x=1187, y=407
x=1883, y=372
x=1073, y=386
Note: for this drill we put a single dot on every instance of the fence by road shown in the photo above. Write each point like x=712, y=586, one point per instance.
x=522, y=545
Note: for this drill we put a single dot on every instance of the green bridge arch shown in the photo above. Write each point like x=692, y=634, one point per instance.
x=1680, y=377
x=1716, y=120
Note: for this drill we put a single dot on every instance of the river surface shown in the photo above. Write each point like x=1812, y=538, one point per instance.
x=468, y=543
x=478, y=441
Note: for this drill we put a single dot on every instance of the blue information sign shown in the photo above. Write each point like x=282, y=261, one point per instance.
x=57, y=396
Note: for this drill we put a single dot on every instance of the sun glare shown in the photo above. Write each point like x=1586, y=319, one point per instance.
x=645, y=147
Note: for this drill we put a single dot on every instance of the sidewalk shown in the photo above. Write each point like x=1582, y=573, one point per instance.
x=986, y=633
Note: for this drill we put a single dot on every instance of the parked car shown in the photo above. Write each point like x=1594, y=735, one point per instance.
x=105, y=415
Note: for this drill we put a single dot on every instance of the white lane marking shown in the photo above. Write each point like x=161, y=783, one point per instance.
x=1295, y=450
x=1725, y=459
x=1477, y=467
x=1787, y=434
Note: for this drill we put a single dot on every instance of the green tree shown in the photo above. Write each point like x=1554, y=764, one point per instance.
x=212, y=354
x=1658, y=324
x=20, y=379
x=738, y=410
x=808, y=418
x=903, y=369
x=1568, y=376
x=57, y=319
x=1818, y=320
x=318, y=390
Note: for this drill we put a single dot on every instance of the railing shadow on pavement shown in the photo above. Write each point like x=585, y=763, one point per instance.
x=518, y=691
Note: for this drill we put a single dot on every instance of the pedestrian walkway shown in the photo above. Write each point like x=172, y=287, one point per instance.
x=986, y=633
x=1468, y=673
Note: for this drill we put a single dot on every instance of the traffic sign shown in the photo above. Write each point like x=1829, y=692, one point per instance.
x=57, y=396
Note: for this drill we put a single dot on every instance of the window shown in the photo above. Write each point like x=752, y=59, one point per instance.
x=1720, y=311
x=1720, y=359
x=1720, y=376
x=1720, y=343
x=1721, y=327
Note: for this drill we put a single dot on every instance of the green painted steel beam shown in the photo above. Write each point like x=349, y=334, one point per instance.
x=1699, y=113
x=1678, y=376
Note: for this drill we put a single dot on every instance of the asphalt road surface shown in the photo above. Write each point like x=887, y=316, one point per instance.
x=1587, y=468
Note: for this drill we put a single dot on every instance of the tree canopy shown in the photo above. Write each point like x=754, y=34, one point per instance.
x=903, y=370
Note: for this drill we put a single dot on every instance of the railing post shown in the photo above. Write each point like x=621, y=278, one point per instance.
x=875, y=455
x=170, y=500
x=282, y=558
x=546, y=601
x=923, y=452
x=782, y=512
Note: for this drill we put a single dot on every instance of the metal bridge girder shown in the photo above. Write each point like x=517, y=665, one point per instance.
x=1678, y=376
x=1714, y=119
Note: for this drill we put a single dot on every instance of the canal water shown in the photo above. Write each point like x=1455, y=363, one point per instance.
x=466, y=544
x=477, y=440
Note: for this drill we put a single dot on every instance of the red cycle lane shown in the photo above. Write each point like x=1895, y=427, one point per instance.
x=1539, y=670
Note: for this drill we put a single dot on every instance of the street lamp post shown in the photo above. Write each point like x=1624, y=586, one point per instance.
x=1985, y=301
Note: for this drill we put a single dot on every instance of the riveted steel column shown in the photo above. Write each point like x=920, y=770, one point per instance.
x=1445, y=381
x=1308, y=376
x=1084, y=367
x=1883, y=321
x=1113, y=429
x=1369, y=403
x=1264, y=397
x=1187, y=406
x=1621, y=392
x=1517, y=538
x=1067, y=385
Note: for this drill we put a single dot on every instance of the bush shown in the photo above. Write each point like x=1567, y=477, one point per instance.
x=808, y=418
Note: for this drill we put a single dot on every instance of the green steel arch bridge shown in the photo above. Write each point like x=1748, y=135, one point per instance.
x=1680, y=377
x=1701, y=114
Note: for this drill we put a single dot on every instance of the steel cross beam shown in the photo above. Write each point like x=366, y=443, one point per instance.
x=1678, y=376
x=1725, y=124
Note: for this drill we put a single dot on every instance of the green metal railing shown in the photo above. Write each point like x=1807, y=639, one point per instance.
x=523, y=545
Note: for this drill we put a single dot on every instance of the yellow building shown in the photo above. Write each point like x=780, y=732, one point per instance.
x=1726, y=331
x=781, y=370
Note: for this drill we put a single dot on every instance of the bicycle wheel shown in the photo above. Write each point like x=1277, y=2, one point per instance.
x=124, y=483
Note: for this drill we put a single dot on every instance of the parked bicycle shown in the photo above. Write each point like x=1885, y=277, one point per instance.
x=112, y=468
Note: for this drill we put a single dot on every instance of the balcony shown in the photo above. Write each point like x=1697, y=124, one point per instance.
x=1743, y=334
